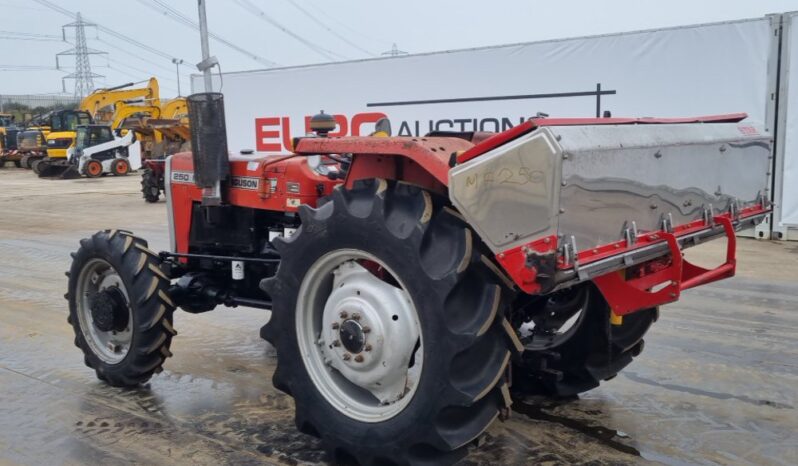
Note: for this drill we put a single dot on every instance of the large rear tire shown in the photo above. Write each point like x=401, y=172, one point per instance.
x=119, y=308
x=150, y=189
x=581, y=348
x=396, y=241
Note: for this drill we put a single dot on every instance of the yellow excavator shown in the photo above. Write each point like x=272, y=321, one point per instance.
x=100, y=106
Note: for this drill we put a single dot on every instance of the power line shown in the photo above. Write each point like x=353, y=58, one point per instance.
x=179, y=17
x=22, y=7
x=327, y=28
x=31, y=34
x=106, y=30
x=260, y=14
x=33, y=39
x=121, y=63
x=147, y=75
x=27, y=68
x=346, y=26
x=134, y=55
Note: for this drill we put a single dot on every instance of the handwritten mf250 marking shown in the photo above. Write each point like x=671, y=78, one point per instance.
x=505, y=175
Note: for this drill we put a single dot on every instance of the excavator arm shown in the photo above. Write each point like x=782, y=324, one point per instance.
x=98, y=102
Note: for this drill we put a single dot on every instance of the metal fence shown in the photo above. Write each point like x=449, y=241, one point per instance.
x=23, y=107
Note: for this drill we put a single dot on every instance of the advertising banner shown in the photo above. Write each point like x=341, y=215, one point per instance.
x=687, y=71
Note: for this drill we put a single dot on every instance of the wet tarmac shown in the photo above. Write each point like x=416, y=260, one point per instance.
x=716, y=384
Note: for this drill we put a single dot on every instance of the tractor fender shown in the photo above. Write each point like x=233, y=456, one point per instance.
x=419, y=160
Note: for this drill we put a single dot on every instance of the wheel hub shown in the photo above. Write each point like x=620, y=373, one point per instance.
x=352, y=336
x=370, y=332
x=104, y=313
x=109, y=310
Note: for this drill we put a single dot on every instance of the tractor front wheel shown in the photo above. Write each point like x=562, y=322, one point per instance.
x=389, y=327
x=119, y=307
x=150, y=188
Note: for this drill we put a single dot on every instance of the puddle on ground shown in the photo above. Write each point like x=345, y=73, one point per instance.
x=604, y=435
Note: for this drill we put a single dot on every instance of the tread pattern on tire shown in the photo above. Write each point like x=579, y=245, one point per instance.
x=598, y=351
x=463, y=304
x=150, y=190
x=152, y=311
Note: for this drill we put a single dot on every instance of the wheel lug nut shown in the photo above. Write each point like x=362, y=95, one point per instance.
x=356, y=316
x=335, y=325
x=347, y=356
x=367, y=348
x=359, y=358
x=336, y=343
x=366, y=329
x=343, y=314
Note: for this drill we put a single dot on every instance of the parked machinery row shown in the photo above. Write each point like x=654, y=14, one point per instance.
x=110, y=132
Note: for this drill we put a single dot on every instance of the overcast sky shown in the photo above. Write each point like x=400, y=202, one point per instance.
x=293, y=32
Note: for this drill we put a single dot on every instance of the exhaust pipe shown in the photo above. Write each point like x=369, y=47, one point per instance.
x=208, y=144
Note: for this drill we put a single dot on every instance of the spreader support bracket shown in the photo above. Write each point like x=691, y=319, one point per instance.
x=626, y=295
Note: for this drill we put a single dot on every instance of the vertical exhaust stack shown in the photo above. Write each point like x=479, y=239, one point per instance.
x=208, y=144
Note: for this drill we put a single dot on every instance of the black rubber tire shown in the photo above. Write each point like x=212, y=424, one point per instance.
x=147, y=285
x=150, y=189
x=460, y=304
x=18, y=163
x=93, y=172
x=120, y=167
x=25, y=161
x=36, y=165
x=596, y=351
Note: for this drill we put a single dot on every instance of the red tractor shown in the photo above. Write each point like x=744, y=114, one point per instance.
x=416, y=283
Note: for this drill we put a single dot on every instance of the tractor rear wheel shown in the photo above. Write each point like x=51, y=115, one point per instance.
x=571, y=346
x=389, y=327
x=119, y=307
x=93, y=168
x=149, y=186
x=120, y=167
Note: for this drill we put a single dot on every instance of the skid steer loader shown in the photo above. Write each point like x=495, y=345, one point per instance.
x=100, y=151
x=415, y=283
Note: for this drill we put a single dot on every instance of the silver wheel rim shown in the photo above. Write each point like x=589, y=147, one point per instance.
x=112, y=346
x=338, y=293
